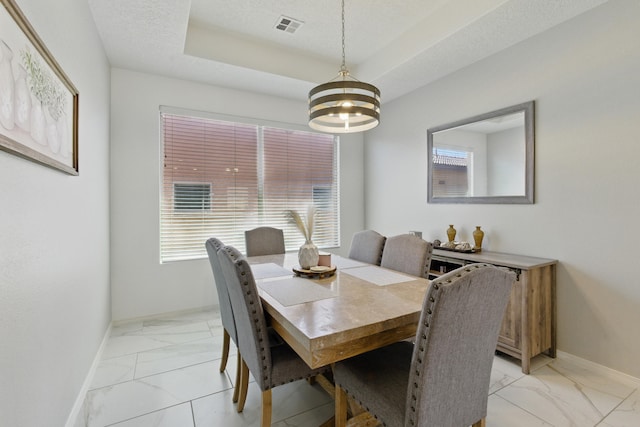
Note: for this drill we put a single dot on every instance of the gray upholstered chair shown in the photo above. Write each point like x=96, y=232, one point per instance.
x=270, y=365
x=367, y=246
x=407, y=253
x=213, y=245
x=442, y=380
x=264, y=241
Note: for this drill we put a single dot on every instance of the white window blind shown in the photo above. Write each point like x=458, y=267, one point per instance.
x=253, y=173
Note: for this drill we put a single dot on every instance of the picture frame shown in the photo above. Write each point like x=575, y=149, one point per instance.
x=38, y=102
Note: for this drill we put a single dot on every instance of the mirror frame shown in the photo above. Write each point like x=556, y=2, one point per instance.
x=527, y=198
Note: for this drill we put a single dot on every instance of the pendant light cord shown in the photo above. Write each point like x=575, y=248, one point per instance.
x=343, y=69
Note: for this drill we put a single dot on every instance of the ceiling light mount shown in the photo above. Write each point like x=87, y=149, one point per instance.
x=344, y=104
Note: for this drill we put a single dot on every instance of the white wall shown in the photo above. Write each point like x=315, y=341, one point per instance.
x=506, y=162
x=54, y=245
x=585, y=77
x=141, y=286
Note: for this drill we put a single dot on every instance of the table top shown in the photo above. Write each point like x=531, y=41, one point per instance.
x=497, y=258
x=360, y=308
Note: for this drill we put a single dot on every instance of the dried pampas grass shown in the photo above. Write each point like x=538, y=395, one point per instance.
x=306, y=229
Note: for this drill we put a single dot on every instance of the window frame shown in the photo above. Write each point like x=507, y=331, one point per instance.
x=168, y=254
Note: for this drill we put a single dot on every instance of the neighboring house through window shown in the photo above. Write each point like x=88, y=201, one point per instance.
x=451, y=172
x=191, y=196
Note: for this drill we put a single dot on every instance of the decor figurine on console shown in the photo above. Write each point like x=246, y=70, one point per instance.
x=478, y=235
x=451, y=233
x=308, y=254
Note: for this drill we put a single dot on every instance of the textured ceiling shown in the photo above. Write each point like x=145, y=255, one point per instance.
x=396, y=45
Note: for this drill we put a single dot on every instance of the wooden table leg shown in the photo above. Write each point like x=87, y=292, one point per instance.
x=329, y=423
x=345, y=406
x=341, y=407
x=365, y=419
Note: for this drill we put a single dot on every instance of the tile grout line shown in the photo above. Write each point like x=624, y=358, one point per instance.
x=523, y=409
x=193, y=413
x=135, y=367
x=145, y=414
x=160, y=347
x=616, y=407
x=506, y=399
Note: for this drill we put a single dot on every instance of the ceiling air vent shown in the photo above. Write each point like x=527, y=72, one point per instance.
x=288, y=25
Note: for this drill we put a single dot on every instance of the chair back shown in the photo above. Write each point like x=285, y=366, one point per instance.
x=407, y=253
x=253, y=338
x=367, y=246
x=264, y=241
x=213, y=245
x=455, y=344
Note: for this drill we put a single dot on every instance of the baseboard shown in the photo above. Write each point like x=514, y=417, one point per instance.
x=600, y=369
x=78, y=406
x=121, y=322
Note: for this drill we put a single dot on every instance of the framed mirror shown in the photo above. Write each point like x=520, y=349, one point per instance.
x=483, y=159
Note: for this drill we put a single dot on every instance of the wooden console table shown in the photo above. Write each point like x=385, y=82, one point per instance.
x=529, y=324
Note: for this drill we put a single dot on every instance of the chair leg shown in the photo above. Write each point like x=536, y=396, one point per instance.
x=481, y=423
x=236, y=389
x=341, y=407
x=225, y=351
x=266, y=408
x=244, y=385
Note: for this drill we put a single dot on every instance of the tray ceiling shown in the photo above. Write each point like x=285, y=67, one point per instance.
x=398, y=46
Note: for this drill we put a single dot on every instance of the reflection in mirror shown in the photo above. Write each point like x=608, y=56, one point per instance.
x=483, y=159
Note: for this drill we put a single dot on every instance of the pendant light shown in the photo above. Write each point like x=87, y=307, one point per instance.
x=344, y=104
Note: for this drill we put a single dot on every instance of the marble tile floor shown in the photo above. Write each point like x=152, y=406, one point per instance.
x=165, y=373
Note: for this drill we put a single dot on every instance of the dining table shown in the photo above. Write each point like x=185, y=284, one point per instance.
x=331, y=316
x=358, y=308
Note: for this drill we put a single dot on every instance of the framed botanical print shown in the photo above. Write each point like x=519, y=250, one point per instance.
x=38, y=102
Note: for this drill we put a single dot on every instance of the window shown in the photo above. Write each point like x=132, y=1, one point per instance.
x=221, y=178
x=191, y=196
x=450, y=172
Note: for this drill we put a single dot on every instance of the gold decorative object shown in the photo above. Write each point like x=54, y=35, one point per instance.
x=451, y=233
x=477, y=237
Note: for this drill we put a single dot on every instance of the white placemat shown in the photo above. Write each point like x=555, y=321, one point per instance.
x=342, y=263
x=264, y=271
x=296, y=290
x=378, y=275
